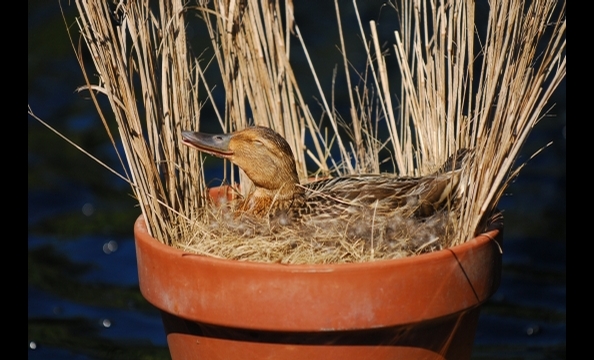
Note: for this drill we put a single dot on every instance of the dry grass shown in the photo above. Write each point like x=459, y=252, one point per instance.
x=340, y=239
x=156, y=88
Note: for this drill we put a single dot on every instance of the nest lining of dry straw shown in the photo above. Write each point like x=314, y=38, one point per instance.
x=224, y=233
x=156, y=88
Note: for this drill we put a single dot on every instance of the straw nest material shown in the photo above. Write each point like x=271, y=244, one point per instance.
x=222, y=232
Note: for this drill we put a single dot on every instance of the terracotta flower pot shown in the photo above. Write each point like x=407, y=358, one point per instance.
x=421, y=307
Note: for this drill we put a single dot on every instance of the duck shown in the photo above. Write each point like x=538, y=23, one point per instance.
x=268, y=161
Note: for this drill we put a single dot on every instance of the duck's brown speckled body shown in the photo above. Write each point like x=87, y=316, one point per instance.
x=268, y=161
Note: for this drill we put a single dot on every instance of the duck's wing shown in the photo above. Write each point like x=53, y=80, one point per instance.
x=384, y=193
x=363, y=188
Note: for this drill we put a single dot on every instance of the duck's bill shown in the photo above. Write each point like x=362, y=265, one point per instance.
x=213, y=144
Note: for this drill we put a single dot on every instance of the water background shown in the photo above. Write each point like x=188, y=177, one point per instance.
x=83, y=297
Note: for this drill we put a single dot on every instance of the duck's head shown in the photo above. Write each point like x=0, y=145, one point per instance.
x=261, y=153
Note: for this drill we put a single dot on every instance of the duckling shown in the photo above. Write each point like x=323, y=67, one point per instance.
x=267, y=159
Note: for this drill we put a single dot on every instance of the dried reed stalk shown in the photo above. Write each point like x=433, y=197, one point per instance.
x=449, y=108
x=152, y=85
x=446, y=107
x=140, y=57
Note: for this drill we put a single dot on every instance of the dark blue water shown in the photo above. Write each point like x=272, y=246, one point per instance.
x=83, y=298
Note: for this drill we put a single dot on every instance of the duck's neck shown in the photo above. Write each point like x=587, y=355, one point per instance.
x=263, y=201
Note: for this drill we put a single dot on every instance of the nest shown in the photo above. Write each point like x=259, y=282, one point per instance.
x=222, y=232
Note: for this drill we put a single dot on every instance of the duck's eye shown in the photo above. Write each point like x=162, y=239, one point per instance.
x=258, y=143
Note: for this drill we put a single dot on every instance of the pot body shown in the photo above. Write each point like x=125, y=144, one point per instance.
x=421, y=307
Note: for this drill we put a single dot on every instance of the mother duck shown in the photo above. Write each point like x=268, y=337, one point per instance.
x=268, y=161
